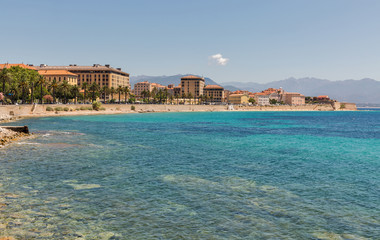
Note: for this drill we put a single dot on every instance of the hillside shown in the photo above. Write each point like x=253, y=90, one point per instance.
x=165, y=80
x=357, y=91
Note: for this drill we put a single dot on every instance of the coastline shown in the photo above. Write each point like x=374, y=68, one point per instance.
x=15, y=112
x=11, y=113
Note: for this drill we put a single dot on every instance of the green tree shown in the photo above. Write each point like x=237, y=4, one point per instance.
x=65, y=89
x=273, y=101
x=5, y=77
x=252, y=100
x=94, y=88
x=112, y=91
x=41, y=83
x=24, y=86
x=54, y=86
x=105, y=91
x=75, y=92
x=84, y=87
x=126, y=93
x=119, y=90
x=190, y=96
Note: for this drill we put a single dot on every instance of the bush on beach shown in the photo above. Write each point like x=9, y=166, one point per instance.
x=96, y=105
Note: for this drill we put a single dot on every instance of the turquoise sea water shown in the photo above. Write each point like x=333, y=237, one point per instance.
x=219, y=175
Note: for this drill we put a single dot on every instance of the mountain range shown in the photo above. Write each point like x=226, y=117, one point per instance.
x=362, y=91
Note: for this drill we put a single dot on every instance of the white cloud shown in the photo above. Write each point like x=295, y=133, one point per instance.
x=219, y=59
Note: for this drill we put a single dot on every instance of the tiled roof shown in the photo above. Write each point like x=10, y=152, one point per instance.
x=192, y=77
x=235, y=95
x=55, y=72
x=81, y=68
x=9, y=65
x=213, y=87
x=262, y=94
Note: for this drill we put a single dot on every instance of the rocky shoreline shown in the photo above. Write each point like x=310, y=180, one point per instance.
x=8, y=136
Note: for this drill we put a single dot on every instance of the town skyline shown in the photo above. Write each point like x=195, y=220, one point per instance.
x=247, y=41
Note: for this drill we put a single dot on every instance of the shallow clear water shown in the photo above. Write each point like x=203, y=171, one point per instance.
x=220, y=175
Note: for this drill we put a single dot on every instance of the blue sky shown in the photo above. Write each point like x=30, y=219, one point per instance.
x=251, y=41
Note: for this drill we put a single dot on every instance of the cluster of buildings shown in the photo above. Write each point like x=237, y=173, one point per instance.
x=194, y=87
x=191, y=87
x=77, y=75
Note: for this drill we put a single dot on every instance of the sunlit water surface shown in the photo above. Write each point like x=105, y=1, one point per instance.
x=221, y=175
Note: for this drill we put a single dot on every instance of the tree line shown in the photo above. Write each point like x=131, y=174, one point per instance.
x=23, y=85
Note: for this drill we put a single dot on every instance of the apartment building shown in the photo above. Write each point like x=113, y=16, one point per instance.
x=140, y=87
x=238, y=98
x=102, y=75
x=59, y=76
x=214, y=93
x=292, y=98
x=192, y=84
x=262, y=99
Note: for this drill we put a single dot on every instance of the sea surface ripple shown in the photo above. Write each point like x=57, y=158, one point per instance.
x=217, y=175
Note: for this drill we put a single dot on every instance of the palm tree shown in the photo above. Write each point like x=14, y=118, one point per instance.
x=41, y=82
x=94, y=87
x=23, y=85
x=119, y=90
x=112, y=91
x=126, y=92
x=84, y=87
x=5, y=77
x=54, y=85
x=189, y=96
x=105, y=90
x=33, y=78
x=75, y=91
x=143, y=94
x=65, y=87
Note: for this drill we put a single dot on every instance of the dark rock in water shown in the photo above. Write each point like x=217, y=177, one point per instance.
x=21, y=129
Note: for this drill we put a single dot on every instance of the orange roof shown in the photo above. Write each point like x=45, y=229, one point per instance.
x=74, y=68
x=233, y=95
x=192, y=77
x=9, y=65
x=56, y=72
x=158, y=85
x=213, y=87
x=323, y=96
x=261, y=94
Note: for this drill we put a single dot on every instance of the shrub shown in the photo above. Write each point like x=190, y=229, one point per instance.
x=96, y=105
x=133, y=108
x=48, y=98
x=66, y=109
x=49, y=109
x=58, y=109
x=102, y=109
x=83, y=108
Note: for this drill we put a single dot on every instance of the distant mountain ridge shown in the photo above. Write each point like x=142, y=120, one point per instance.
x=358, y=91
x=165, y=80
